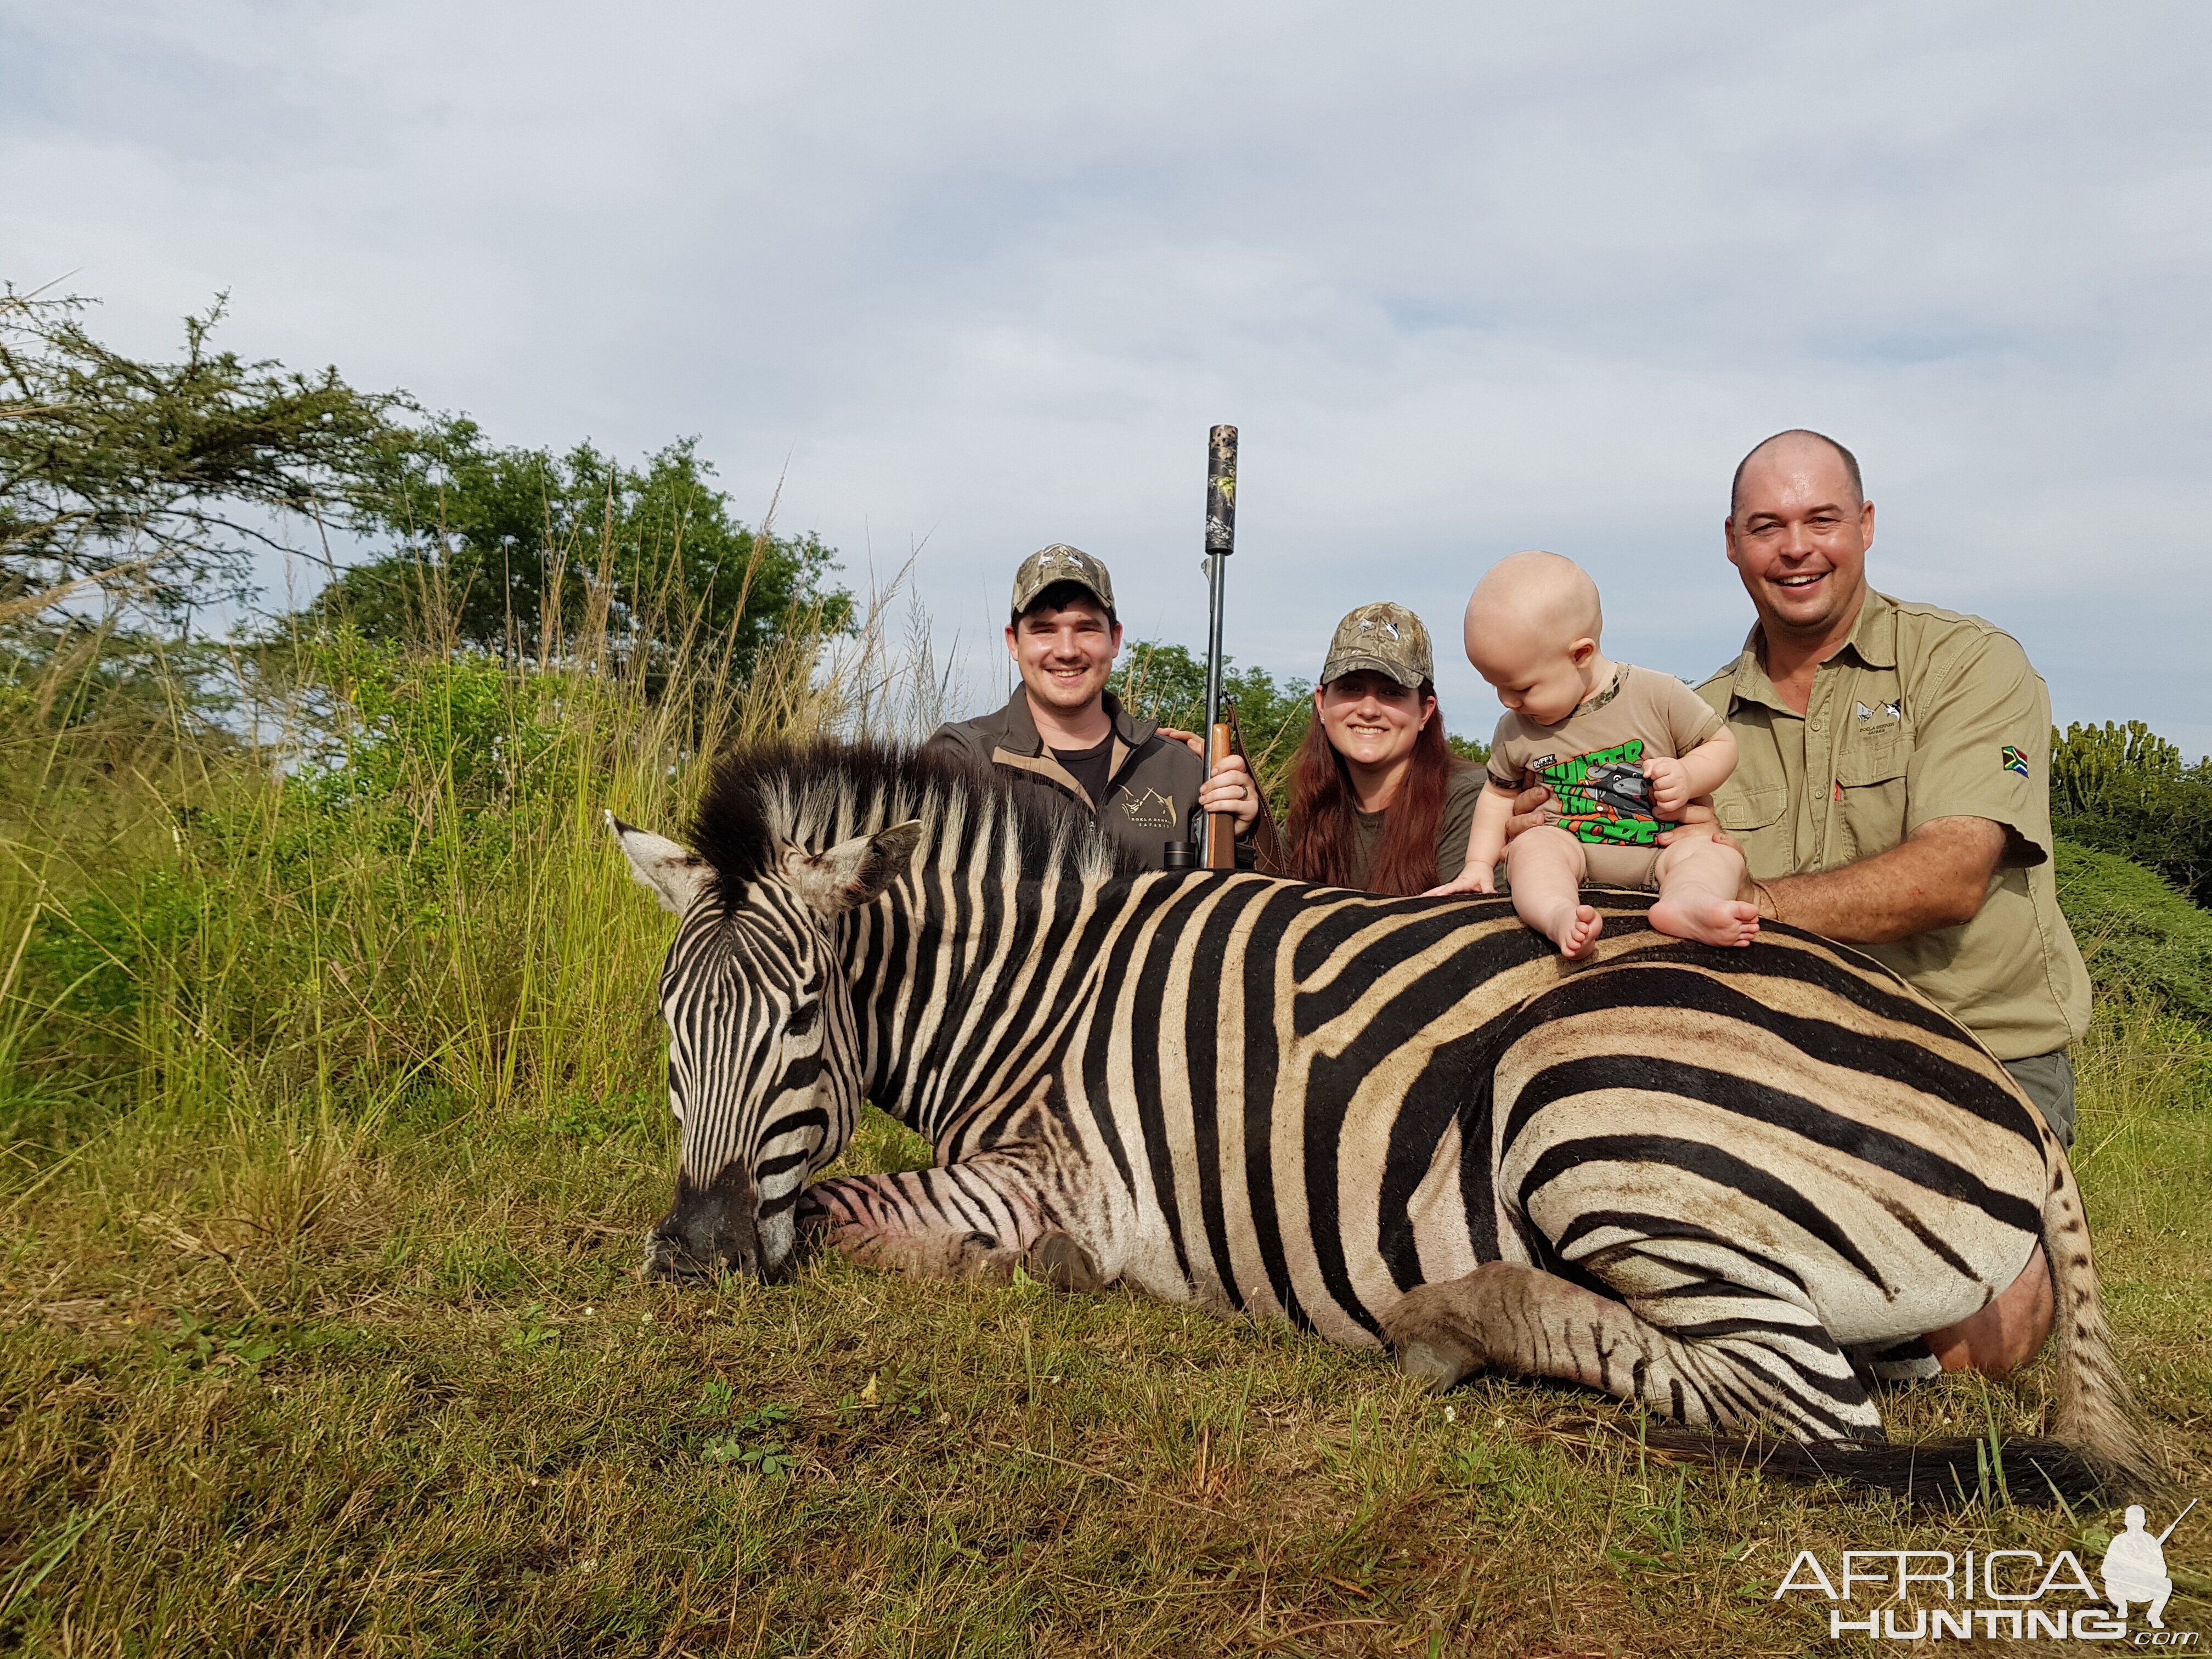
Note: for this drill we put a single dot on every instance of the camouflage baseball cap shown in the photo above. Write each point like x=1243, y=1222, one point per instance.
x=1385, y=638
x=1060, y=563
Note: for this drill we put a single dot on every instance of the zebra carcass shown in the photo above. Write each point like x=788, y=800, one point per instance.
x=1723, y=1184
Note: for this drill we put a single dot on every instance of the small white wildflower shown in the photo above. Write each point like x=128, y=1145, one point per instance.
x=1451, y=1413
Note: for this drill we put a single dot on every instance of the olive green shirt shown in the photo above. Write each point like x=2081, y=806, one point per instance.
x=1923, y=714
x=1452, y=828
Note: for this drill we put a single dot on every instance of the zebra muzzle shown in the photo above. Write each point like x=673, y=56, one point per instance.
x=709, y=1231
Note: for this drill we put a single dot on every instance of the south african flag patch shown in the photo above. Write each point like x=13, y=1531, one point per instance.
x=2015, y=760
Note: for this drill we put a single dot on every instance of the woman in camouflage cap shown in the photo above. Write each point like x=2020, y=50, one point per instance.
x=1378, y=801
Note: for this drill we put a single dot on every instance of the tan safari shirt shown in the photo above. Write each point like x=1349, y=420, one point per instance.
x=1923, y=714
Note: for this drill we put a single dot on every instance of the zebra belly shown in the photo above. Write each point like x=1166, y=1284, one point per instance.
x=1647, y=1233
x=1725, y=1149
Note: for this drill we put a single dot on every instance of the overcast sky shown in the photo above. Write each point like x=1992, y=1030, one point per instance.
x=1469, y=278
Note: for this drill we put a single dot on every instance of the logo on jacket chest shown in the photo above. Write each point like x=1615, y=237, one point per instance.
x=1149, y=811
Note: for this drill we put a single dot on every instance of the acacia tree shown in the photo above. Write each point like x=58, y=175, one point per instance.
x=153, y=481
x=151, y=484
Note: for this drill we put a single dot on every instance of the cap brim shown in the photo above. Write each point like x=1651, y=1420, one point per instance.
x=1022, y=604
x=1353, y=661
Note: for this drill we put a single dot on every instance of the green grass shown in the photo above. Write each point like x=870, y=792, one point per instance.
x=441, y=1414
x=334, y=1120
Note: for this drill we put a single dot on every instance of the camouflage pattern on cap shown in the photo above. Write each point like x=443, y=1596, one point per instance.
x=1060, y=563
x=1384, y=638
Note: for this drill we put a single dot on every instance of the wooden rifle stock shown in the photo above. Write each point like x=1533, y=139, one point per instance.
x=1268, y=857
x=1220, y=827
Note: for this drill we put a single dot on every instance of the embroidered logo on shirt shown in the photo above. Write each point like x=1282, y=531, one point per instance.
x=1151, y=810
x=2015, y=760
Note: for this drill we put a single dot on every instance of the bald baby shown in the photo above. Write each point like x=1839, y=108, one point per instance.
x=1533, y=595
x=1623, y=749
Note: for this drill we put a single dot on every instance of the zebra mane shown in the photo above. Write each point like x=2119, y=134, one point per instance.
x=818, y=793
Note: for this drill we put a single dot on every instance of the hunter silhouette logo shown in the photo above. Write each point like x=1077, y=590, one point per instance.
x=2134, y=1567
x=1151, y=810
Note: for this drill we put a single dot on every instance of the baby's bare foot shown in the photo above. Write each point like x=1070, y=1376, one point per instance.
x=1574, y=928
x=1701, y=916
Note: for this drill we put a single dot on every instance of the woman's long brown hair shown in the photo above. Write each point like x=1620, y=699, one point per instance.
x=1322, y=806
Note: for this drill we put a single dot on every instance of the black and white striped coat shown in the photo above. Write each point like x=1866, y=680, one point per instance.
x=1720, y=1182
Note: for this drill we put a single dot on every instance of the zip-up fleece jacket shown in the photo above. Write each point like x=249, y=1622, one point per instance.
x=1151, y=791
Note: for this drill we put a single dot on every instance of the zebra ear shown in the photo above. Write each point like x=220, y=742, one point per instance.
x=853, y=872
x=676, y=876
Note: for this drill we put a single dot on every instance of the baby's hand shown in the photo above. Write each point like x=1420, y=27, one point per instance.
x=1475, y=878
x=1670, y=785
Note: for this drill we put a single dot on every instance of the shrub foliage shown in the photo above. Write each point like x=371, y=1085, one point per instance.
x=518, y=552
x=2123, y=789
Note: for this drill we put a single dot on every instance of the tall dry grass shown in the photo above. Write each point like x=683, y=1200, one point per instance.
x=382, y=875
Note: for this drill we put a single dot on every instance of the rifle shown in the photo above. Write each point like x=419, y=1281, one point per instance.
x=1224, y=735
x=2178, y=1520
x=1220, y=543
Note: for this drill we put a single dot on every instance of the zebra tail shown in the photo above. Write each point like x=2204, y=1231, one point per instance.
x=2037, y=1474
x=2096, y=1411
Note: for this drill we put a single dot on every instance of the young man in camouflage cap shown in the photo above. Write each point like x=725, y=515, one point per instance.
x=1062, y=731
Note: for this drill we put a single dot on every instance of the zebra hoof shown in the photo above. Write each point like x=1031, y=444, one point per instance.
x=1432, y=1336
x=1439, y=1367
x=1058, y=1260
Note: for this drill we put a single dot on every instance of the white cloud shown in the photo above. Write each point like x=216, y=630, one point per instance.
x=1468, y=280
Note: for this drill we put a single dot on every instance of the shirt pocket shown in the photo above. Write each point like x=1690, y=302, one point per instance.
x=1870, y=787
x=1746, y=811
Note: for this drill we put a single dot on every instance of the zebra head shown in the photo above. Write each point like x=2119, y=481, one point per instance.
x=763, y=1057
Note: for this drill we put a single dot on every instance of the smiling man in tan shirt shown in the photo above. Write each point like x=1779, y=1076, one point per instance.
x=1892, y=790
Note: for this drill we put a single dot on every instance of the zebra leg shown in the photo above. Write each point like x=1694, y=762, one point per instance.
x=1738, y=1357
x=978, y=1218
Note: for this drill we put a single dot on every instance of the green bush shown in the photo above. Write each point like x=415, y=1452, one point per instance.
x=2143, y=939
x=2123, y=789
x=520, y=553
x=1167, y=683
